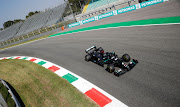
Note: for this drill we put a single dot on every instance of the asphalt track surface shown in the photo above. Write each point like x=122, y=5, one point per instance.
x=153, y=82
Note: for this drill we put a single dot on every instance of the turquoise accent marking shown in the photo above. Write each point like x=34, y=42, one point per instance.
x=106, y=60
x=133, y=62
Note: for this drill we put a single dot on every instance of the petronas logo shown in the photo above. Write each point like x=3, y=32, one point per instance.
x=115, y=12
x=138, y=6
x=80, y=22
x=96, y=18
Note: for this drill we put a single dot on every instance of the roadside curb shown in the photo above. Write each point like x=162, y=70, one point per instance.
x=98, y=95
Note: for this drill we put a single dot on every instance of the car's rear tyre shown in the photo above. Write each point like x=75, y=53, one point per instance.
x=116, y=74
x=87, y=58
x=110, y=68
x=126, y=58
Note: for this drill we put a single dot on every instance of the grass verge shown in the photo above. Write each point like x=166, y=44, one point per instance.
x=38, y=86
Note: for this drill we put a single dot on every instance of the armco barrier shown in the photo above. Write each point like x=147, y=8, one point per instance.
x=116, y=12
x=13, y=94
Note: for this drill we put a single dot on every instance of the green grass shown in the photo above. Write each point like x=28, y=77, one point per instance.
x=40, y=87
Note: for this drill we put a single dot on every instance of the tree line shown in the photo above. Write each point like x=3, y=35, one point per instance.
x=10, y=22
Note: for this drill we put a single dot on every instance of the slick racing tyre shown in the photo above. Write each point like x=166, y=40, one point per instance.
x=119, y=72
x=116, y=74
x=126, y=58
x=110, y=68
x=87, y=58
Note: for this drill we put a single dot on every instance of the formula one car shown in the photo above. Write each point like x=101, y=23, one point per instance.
x=110, y=60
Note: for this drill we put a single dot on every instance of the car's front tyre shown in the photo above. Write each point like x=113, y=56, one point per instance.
x=110, y=68
x=126, y=58
x=87, y=58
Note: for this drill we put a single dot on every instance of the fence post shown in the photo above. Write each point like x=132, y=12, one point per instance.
x=52, y=27
x=33, y=33
x=6, y=42
x=18, y=39
x=27, y=35
x=13, y=40
x=1, y=43
x=9, y=41
x=55, y=26
x=39, y=31
x=46, y=29
x=22, y=37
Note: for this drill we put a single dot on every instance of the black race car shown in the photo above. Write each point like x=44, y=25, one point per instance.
x=109, y=60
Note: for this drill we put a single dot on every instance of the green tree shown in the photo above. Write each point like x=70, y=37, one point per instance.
x=7, y=24
x=32, y=13
x=18, y=20
x=37, y=11
x=1, y=29
x=76, y=5
x=10, y=23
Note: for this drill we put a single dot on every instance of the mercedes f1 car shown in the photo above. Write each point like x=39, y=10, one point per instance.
x=110, y=60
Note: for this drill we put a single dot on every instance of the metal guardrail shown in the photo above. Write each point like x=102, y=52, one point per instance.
x=12, y=93
x=35, y=32
x=105, y=9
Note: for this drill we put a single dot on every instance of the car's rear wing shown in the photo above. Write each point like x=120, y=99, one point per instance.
x=89, y=49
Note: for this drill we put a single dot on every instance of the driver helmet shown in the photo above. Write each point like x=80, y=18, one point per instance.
x=113, y=53
x=101, y=50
